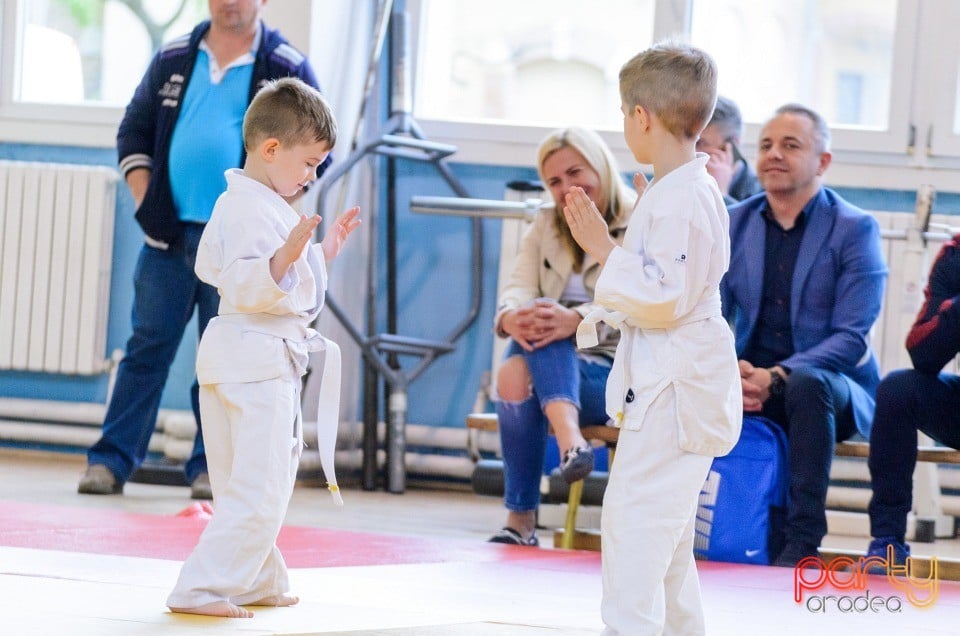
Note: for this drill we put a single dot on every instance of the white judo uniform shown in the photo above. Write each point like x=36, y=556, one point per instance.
x=249, y=365
x=674, y=391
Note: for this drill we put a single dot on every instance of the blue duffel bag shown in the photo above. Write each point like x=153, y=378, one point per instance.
x=742, y=508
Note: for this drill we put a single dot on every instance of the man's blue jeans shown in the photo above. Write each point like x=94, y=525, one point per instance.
x=907, y=401
x=166, y=290
x=557, y=373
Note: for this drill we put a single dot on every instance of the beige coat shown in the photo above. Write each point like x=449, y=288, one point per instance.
x=542, y=268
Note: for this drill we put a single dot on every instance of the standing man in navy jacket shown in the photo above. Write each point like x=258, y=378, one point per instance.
x=919, y=399
x=180, y=132
x=803, y=290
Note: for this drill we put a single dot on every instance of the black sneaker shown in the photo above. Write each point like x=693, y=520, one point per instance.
x=511, y=537
x=577, y=463
x=795, y=552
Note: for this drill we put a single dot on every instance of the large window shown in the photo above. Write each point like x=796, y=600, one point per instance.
x=884, y=73
x=547, y=62
x=553, y=62
x=492, y=76
x=92, y=51
x=834, y=55
x=67, y=67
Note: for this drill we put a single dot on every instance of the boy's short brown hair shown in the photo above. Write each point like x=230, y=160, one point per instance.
x=291, y=111
x=676, y=82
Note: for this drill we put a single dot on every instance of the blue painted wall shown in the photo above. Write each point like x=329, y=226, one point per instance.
x=126, y=247
x=433, y=282
x=433, y=277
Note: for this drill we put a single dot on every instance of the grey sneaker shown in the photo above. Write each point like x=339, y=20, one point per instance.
x=200, y=488
x=98, y=480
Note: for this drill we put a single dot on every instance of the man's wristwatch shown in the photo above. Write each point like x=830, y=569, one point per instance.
x=777, y=383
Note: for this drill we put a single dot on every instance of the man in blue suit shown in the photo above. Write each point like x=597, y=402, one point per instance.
x=803, y=290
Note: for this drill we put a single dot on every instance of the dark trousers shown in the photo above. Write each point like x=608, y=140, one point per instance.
x=166, y=293
x=907, y=401
x=816, y=412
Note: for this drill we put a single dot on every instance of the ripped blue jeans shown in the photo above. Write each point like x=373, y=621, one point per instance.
x=557, y=372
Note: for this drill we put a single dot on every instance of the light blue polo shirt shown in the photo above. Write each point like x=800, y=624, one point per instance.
x=208, y=136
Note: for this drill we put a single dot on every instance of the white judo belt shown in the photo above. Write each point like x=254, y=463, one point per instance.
x=328, y=414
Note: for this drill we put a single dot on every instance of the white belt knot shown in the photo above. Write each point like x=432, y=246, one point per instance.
x=587, y=329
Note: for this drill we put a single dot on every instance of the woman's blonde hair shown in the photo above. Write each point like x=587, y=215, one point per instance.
x=616, y=198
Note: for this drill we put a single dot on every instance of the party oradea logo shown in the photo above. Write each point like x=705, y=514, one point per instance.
x=813, y=580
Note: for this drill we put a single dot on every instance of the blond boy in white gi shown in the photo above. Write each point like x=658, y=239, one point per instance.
x=674, y=389
x=257, y=251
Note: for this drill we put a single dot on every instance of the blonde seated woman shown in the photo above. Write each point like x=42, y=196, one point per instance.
x=544, y=382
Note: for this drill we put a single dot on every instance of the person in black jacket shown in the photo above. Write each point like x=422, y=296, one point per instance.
x=919, y=399
x=179, y=134
x=721, y=140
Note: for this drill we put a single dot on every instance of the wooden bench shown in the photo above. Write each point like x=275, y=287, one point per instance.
x=926, y=527
x=935, y=454
x=569, y=537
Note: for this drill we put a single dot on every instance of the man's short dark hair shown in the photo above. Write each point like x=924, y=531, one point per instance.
x=727, y=119
x=821, y=129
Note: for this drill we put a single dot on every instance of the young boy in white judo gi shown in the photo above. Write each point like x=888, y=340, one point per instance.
x=674, y=389
x=257, y=251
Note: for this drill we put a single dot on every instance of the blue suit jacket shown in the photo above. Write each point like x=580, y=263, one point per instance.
x=836, y=294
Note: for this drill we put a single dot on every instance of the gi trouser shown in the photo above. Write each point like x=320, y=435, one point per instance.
x=650, y=583
x=253, y=440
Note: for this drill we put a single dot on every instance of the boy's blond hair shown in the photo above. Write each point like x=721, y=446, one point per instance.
x=291, y=111
x=674, y=81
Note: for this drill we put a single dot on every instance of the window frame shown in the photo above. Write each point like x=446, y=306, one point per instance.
x=936, y=143
x=896, y=138
x=60, y=124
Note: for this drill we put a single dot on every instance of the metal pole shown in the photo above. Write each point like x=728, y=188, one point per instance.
x=396, y=439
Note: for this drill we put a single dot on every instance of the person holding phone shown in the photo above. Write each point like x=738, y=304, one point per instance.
x=721, y=140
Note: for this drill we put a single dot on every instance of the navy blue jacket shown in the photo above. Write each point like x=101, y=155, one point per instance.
x=143, y=139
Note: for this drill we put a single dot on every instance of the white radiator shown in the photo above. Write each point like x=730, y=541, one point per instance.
x=56, y=243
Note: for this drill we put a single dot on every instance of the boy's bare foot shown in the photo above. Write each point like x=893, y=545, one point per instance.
x=280, y=600
x=217, y=608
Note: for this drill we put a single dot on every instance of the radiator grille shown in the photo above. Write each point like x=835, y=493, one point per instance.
x=57, y=240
